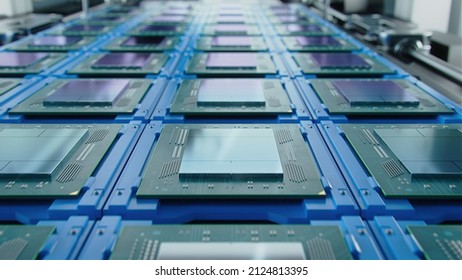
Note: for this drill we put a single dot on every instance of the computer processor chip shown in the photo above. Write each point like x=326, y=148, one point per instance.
x=20, y=60
x=231, y=161
x=413, y=161
x=69, y=97
x=230, y=29
x=55, y=40
x=230, y=96
x=438, y=242
x=22, y=242
x=86, y=29
x=53, y=43
x=230, y=19
x=231, y=242
x=166, y=19
x=302, y=29
x=376, y=97
x=22, y=63
x=318, y=44
x=88, y=92
x=227, y=63
x=48, y=161
x=340, y=64
x=121, y=64
x=231, y=43
x=142, y=43
x=147, y=29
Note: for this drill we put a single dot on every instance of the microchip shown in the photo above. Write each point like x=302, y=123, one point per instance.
x=231, y=61
x=230, y=19
x=376, y=97
x=85, y=28
x=20, y=60
x=168, y=19
x=231, y=242
x=438, y=242
x=274, y=158
x=230, y=29
x=52, y=43
x=340, y=64
x=159, y=28
x=319, y=43
x=231, y=43
x=292, y=18
x=176, y=12
x=226, y=63
x=127, y=64
x=302, y=29
x=21, y=63
x=50, y=161
x=35, y=155
x=85, y=97
x=149, y=29
x=411, y=161
x=244, y=92
x=142, y=43
x=339, y=60
x=122, y=60
x=88, y=92
x=237, y=12
x=378, y=93
x=426, y=151
x=22, y=242
x=235, y=28
x=231, y=96
x=249, y=153
x=55, y=40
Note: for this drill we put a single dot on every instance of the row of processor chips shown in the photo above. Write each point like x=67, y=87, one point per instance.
x=212, y=63
x=183, y=164
x=217, y=97
x=156, y=43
